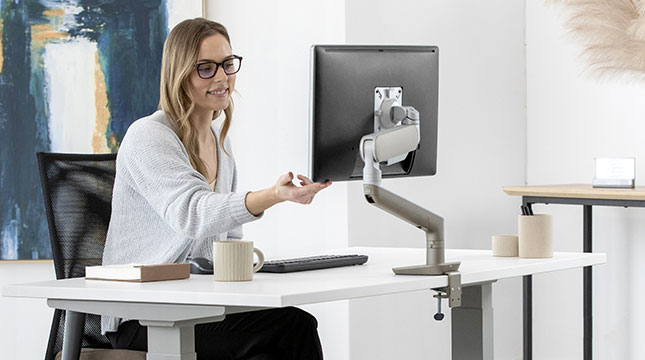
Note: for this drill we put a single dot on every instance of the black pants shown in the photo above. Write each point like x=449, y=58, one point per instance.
x=283, y=333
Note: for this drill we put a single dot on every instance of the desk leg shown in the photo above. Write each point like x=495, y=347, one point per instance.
x=527, y=306
x=73, y=337
x=171, y=327
x=173, y=340
x=527, y=315
x=587, y=280
x=170, y=342
x=472, y=324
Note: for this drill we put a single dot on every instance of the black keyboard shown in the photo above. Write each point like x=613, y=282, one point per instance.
x=312, y=263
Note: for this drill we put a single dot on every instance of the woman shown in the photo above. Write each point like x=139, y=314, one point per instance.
x=175, y=193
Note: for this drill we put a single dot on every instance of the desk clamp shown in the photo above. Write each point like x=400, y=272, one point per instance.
x=452, y=292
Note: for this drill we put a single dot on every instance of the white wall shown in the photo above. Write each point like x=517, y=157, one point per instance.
x=24, y=323
x=270, y=131
x=573, y=118
x=482, y=139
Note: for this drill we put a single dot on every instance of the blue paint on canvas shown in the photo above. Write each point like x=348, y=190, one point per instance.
x=129, y=36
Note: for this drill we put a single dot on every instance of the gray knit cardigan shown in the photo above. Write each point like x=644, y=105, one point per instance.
x=163, y=210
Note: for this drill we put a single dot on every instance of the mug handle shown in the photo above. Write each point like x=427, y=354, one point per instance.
x=260, y=255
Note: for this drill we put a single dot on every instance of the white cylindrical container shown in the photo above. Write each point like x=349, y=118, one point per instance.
x=535, y=236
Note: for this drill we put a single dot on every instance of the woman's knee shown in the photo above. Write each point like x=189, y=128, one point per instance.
x=301, y=317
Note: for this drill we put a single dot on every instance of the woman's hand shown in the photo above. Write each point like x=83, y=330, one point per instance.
x=284, y=190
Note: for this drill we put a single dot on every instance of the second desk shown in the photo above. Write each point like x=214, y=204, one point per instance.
x=573, y=194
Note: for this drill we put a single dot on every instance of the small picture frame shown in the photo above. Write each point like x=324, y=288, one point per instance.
x=615, y=173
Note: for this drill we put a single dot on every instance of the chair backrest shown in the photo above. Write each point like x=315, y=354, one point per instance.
x=77, y=189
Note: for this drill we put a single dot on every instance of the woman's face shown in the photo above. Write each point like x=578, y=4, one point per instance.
x=212, y=94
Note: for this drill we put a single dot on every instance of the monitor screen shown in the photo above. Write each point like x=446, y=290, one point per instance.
x=344, y=80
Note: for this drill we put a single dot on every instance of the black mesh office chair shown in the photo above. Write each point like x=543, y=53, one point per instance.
x=77, y=189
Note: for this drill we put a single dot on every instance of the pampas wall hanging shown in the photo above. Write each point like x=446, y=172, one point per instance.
x=612, y=33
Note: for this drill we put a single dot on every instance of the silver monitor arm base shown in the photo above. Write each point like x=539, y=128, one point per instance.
x=394, y=141
x=421, y=218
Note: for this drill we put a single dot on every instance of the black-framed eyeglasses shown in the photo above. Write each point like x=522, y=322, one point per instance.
x=208, y=69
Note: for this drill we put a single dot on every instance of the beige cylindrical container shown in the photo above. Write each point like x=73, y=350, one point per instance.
x=504, y=245
x=535, y=236
x=233, y=260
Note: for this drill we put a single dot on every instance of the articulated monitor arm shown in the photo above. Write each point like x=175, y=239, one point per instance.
x=382, y=146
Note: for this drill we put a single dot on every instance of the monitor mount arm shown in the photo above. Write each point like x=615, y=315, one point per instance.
x=396, y=134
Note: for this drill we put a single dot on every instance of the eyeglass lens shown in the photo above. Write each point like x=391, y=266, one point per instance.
x=208, y=70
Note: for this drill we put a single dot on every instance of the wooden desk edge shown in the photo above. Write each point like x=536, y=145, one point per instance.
x=577, y=191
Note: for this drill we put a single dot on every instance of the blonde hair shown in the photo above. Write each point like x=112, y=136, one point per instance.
x=180, y=53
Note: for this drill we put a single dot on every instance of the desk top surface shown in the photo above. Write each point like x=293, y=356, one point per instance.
x=276, y=290
x=578, y=191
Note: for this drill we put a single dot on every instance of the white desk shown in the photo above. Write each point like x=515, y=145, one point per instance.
x=170, y=309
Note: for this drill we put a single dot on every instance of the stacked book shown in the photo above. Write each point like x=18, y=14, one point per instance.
x=137, y=272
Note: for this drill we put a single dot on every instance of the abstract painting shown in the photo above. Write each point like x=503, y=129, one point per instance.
x=74, y=74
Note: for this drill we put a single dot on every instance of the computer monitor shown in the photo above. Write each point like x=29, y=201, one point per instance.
x=373, y=115
x=345, y=80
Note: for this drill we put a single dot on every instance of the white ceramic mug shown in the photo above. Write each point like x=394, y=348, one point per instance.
x=535, y=238
x=233, y=260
